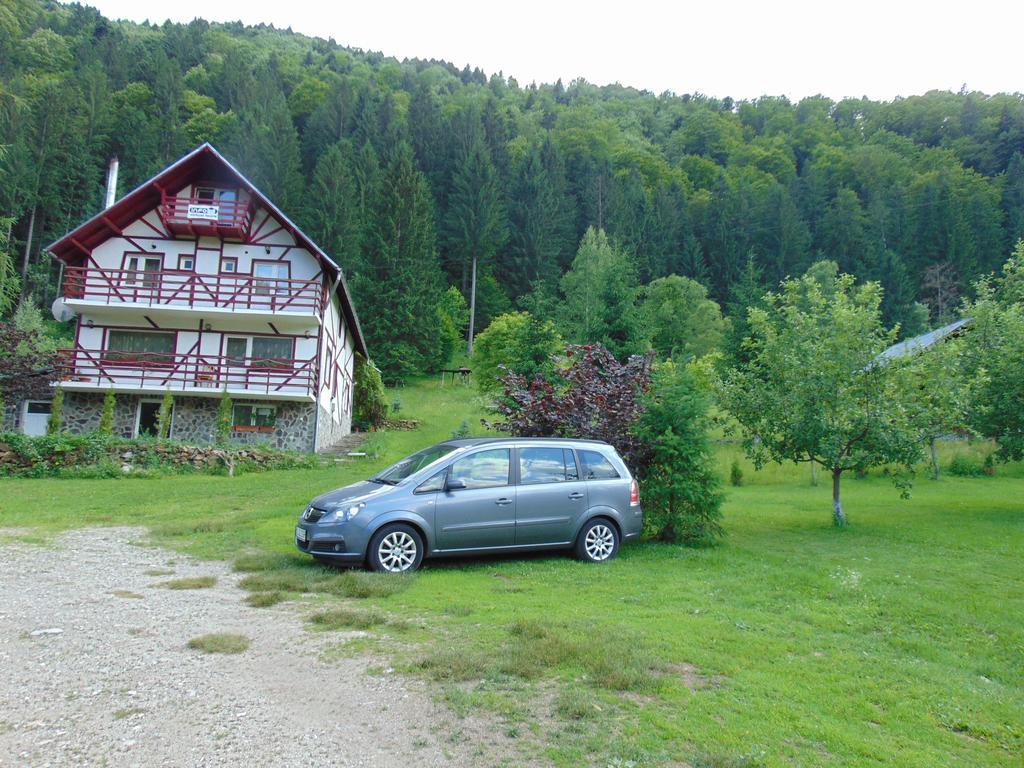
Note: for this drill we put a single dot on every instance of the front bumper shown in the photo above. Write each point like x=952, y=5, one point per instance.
x=330, y=541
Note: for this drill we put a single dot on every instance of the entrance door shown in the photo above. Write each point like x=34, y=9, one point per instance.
x=148, y=411
x=35, y=417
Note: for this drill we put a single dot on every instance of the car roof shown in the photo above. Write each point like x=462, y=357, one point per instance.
x=468, y=442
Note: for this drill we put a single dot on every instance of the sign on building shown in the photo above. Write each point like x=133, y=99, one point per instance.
x=204, y=212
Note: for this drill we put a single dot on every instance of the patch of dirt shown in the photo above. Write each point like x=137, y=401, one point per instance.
x=91, y=678
x=692, y=678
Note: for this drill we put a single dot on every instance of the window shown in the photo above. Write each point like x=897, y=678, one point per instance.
x=273, y=274
x=37, y=407
x=229, y=265
x=143, y=270
x=142, y=347
x=486, y=469
x=186, y=263
x=546, y=465
x=258, y=418
x=271, y=352
x=596, y=466
x=227, y=209
x=435, y=483
x=205, y=194
x=412, y=464
x=237, y=350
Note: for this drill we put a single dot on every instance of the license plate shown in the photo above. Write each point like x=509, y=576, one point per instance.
x=300, y=534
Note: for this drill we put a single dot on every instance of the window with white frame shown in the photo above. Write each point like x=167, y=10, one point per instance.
x=250, y=416
x=143, y=271
x=259, y=351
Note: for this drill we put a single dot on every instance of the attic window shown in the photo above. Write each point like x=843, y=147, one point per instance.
x=206, y=194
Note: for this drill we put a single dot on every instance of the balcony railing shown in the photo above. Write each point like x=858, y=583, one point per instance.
x=202, y=216
x=189, y=289
x=194, y=372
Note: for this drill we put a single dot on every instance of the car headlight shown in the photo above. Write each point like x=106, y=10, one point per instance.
x=344, y=514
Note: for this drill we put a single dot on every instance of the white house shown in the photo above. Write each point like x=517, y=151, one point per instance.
x=196, y=283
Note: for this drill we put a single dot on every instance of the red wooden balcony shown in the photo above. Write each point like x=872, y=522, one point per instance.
x=192, y=290
x=224, y=218
x=195, y=374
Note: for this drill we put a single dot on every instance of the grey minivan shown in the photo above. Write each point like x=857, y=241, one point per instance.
x=475, y=496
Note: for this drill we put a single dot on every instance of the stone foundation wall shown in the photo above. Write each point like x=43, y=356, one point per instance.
x=328, y=431
x=194, y=420
x=82, y=412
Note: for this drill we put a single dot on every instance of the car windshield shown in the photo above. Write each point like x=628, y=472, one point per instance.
x=400, y=470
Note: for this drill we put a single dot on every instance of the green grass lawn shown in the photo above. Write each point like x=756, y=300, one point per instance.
x=897, y=641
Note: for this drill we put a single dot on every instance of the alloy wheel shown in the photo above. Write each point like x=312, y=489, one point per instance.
x=397, y=552
x=600, y=542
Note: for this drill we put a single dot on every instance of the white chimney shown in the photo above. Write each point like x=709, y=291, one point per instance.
x=111, y=182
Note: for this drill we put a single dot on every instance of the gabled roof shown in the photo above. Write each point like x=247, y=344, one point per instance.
x=206, y=164
x=918, y=343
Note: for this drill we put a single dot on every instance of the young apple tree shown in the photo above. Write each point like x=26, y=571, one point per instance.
x=811, y=388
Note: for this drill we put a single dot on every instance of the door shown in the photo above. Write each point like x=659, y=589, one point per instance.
x=271, y=278
x=35, y=417
x=147, y=421
x=483, y=513
x=550, y=497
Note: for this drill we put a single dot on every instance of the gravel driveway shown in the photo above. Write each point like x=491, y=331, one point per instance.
x=95, y=671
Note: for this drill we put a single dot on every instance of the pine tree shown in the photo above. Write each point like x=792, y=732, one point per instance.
x=399, y=290
x=336, y=212
x=542, y=216
x=476, y=222
x=600, y=297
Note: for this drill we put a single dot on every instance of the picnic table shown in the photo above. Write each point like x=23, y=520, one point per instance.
x=462, y=373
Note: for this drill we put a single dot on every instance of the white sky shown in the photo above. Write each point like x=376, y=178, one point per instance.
x=724, y=48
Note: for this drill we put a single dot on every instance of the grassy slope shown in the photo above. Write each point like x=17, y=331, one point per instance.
x=897, y=641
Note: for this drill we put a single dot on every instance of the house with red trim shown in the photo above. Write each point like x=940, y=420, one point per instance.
x=197, y=284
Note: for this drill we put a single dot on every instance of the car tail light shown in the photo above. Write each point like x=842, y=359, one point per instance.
x=634, y=494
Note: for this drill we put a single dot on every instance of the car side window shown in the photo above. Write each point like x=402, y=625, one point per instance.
x=542, y=465
x=486, y=469
x=596, y=466
x=434, y=483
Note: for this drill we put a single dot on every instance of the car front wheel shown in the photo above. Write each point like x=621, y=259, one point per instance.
x=396, y=548
x=598, y=541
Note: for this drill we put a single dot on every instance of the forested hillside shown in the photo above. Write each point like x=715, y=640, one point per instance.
x=922, y=194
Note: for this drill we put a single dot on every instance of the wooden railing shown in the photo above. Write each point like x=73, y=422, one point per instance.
x=189, y=289
x=158, y=370
x=200, y=215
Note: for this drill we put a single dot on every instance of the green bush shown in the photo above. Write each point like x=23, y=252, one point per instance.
x=963, y=465
x=163, y=416
x=106, y=426
x=736, y=473
x=56, y=421
x=519, y=342
x=681, y=495
x=222, y=424
x=369, y=408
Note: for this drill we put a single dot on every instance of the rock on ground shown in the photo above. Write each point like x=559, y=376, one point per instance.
x=117, y=686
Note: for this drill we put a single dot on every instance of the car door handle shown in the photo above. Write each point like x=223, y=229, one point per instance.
x=575, y=495
x=502, y=502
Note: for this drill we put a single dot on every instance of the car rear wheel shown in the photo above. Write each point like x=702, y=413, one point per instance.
x=396, y=548
x=598, y=541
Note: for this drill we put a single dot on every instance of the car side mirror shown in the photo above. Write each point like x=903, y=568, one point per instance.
x=454, y=484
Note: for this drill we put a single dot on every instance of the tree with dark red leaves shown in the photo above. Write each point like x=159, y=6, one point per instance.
x=26, y=364
x=592, y=395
